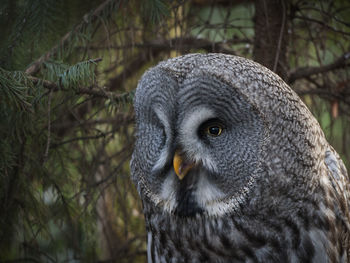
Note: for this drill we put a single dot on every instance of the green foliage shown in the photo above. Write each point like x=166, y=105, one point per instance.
x=224, y=23
x=155, y=10
x=15, y=112
x=33, y=27
x=70, y=77
x=79, y=74
x=48, y=209
x=34, y=22
x=13, y=90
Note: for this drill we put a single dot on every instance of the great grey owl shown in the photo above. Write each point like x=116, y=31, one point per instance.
x=231, y=166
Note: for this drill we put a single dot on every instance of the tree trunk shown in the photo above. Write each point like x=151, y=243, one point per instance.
x=270, y=43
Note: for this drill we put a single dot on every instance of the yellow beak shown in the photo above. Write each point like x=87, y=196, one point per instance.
x=181, y=167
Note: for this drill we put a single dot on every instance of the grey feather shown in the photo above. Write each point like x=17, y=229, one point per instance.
x=268, y=189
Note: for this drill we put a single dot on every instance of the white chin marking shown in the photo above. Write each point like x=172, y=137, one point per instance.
x=208, y=196
x=168, y=192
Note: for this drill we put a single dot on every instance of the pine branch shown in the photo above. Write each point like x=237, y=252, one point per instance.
x=79, y=74
x=154, y=47
x=84, y=138
x=323, y=24
x=186, y=43
x=120, y=118
x=182, y=44
x=46, y=154
x=68, y=76
x=94, y=91
x=88, y=18
x=13, y=87
x=305, y=72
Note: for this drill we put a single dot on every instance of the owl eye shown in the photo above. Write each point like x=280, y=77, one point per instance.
x=212, y=127
x=214, y=130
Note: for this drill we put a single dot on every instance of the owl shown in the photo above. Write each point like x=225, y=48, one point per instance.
x=231, y=166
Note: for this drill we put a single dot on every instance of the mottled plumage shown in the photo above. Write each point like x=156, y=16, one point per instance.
x=261, y=183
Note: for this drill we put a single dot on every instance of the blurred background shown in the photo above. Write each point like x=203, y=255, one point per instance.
x=68, y=72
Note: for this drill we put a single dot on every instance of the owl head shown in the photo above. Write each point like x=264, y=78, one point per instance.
x=210, y=127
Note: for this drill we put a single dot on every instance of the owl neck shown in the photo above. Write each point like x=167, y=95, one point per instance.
x=262, y=231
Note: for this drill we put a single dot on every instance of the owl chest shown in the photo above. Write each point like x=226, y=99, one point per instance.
x=201, y=240
x=226, y=240
x=190, y=243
